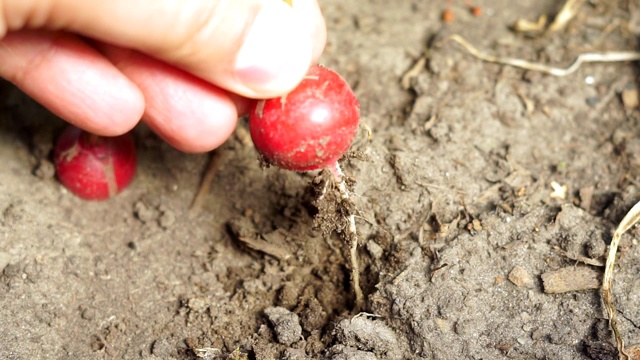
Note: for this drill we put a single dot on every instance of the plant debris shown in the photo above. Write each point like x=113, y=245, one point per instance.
x=572, y=278
x=615, y=56
x=543, y=27
x=632, y=217
x=215, y=160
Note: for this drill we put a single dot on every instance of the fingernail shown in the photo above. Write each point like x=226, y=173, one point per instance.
x=276, y=52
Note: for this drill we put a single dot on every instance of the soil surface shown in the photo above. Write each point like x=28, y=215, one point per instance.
x=486, y=198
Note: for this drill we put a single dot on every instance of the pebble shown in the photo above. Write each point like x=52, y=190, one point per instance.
x=520, y=277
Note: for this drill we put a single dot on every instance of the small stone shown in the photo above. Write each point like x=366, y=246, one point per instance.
x=520, y=277
x=477, y=225
x=285, y=323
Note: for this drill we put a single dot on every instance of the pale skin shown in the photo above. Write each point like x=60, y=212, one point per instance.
x=180, y=65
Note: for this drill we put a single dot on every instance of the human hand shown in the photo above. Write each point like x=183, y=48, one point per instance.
x=187, y=67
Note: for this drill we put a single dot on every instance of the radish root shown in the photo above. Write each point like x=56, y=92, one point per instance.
x=349, y=233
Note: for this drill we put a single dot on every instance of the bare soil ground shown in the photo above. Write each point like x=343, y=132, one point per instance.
x=459, y=223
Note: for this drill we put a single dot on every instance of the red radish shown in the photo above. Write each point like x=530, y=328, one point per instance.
x=311, y=127
x=94, y=167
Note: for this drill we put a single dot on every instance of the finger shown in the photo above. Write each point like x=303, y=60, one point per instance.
x=256, y=48
x=72, y=80
x=189, y=113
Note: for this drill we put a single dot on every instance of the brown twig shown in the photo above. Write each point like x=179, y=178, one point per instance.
x=210, y=172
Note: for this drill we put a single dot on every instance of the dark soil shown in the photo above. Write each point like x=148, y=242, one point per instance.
x=457, y=216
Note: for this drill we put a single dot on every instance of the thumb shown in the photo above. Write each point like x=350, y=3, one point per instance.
x=255, y=48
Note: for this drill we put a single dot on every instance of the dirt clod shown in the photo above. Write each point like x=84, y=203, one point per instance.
x=167, y=217
x=144, y=212
x=341, y=352
x=368, y=335
x=285, y=323
x=162, y=348
x=313, y=317
x=45, y=170
x=294, y=354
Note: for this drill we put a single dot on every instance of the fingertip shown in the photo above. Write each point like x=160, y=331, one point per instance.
x=278, y=48
x=319, y=28
x=276, y=52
